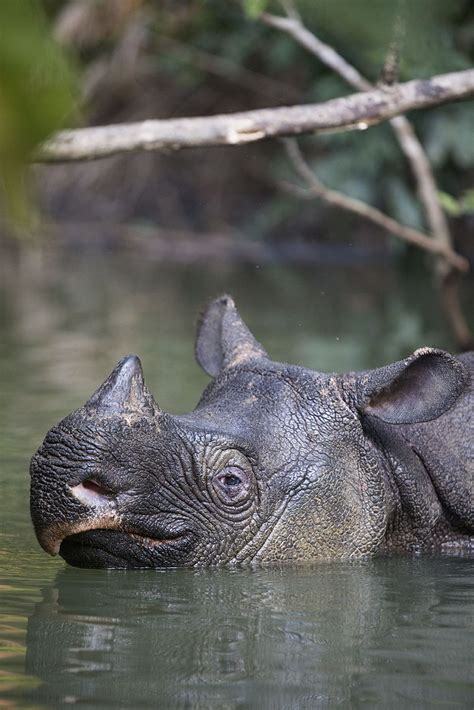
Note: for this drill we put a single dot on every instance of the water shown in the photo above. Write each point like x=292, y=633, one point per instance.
x=382, y=633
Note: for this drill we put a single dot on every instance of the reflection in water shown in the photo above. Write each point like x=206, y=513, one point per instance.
x=382, y=633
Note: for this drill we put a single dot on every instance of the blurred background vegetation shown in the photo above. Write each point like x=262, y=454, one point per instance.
x=93, y=62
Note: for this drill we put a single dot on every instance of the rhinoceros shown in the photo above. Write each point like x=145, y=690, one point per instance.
x=276, y=464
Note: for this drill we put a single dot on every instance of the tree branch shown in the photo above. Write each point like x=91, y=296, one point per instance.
x=406, y=136
x=324, y=52
x=391, y=67
x=350, y=112
x=315, y=188
x=415, y=154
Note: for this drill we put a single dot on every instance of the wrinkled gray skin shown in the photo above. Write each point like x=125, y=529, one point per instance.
x=277, y=463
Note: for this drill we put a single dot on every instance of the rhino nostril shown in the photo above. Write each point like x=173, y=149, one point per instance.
x=92, y=493
x=95, y=487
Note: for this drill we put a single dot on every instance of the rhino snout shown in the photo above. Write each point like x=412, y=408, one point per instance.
x=81, y=507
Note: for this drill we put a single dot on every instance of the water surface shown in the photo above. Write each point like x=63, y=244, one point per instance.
x=381, y=633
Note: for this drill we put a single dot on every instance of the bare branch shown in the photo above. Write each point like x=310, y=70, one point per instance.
x=409, y=143
x=420, y=166
x=324, y=52
x=349, y=112
x=391, y=66
x=315, y=188
x=290, y=9
x=427, y=188
x=453, y=310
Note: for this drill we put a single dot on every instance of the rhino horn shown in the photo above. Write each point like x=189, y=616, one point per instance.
x=124, y=392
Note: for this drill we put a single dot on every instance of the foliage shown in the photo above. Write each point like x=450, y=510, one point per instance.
x=254, y=8
x=202, y=56
x=37, y=94
x=458, y=207
x=437, y=37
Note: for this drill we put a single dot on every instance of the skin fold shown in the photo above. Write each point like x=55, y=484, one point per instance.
x=276, y=464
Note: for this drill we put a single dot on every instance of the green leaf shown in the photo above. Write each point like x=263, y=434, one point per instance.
x=467, y=201
x=449, y=204
x=457, y=207
x=36, y=96
x=254, y=8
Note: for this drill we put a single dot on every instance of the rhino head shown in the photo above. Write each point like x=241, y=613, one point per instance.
x=276, y=463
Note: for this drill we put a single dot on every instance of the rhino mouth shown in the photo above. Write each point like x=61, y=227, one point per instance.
x=102, y=525
x=120, y=549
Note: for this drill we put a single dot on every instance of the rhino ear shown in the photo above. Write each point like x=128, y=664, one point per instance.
x=223, y=339
x=417, y=389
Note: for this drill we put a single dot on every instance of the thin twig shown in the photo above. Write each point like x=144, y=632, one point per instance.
x=453, y=309
x=391, y=66
x=403, y=129
x=290, y=9
x=324, y=52
x=315, y=188
x=427, y=189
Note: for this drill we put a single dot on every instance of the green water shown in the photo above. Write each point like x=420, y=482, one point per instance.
x=384, y=633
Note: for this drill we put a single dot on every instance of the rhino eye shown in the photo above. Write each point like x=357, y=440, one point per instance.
x=231, y=479
x=232, y=483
